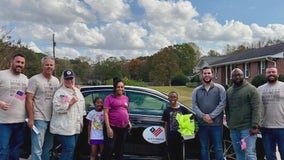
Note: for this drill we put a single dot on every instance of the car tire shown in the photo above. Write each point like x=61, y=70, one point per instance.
x=229, y=153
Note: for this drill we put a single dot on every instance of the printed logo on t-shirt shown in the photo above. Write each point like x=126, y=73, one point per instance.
x=49, y=91
x=98, y=121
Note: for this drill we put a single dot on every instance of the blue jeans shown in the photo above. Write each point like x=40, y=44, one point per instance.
x=68, y=144
x=11, y=138
x=213, y=134
x=250, y=152
x=271, y=137
x=42, y=143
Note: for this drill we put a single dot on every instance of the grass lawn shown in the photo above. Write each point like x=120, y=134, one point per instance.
x=184, y=92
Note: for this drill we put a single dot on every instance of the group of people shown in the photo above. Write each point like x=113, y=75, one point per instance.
x=49, y=107
x=248, y=111
x=53, y=108
x=109, y=124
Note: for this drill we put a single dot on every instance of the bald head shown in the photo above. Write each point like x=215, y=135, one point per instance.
x=237, y=76
x=237, y=70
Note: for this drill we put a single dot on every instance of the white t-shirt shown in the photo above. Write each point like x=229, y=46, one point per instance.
x=97, y=119
x=12, y=90
x=273, y=105
x=43, y=90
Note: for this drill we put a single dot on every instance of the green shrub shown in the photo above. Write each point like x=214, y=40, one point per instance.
x=192, y=84
x=179, y=80
x=258, y=80
x=281, y=78
x=196, y=78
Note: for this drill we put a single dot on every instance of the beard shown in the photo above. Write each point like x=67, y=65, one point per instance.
x=207, y=80
x=272, y=79
x=238, y=82
x=17, y=69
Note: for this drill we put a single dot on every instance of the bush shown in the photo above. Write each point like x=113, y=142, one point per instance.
x=179, y=80
x=258, y=80
x=192, y=84
x=281, y=78
x=196, y=78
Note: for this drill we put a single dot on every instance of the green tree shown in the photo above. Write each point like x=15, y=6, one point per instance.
x=61, y=65
x=213, y=53
x=82, y=69
x=165, y=67
x=109, y=68
x=188, y=55
x=135, y=68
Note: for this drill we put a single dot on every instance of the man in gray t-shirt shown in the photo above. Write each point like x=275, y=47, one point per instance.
x=272, y=122
x=40, y=91
x=13, y=86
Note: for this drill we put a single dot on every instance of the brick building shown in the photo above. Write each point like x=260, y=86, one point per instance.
x=253, y=62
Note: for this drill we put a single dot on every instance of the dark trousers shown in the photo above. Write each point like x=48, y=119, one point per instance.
x=114, y=145
x=175, y=146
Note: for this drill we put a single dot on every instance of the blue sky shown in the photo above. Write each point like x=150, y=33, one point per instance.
x=261, y=12
x=132, y=28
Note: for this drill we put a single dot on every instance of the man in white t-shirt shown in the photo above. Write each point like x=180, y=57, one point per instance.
x=40, y=91
x=13, y=86
x=272, y=122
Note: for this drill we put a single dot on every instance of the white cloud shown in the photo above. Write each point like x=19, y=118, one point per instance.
x=168, y=19
x=109, y=10
x=65, y=52
x=128, y=28
x=45, y=12
x=34, y=47
x=79, y=34
x=123, y=36
x=272, y=30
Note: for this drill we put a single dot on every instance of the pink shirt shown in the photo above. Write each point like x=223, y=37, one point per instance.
x=118, y=110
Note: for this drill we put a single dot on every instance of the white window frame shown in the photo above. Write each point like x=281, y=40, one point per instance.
x=247, y=70
x=262, y=67
x=231, y=69
x=216, y=72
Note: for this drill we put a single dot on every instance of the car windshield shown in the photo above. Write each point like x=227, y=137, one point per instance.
x=139, y=102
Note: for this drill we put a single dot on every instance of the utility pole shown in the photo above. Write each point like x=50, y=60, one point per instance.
x=53, y=46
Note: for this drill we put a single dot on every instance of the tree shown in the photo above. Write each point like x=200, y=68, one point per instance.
x=135, y=68
x=109, y=68
x=165, y=67
x=188, y=55
x=61, y=65
x=83, y=69
x=213, y=53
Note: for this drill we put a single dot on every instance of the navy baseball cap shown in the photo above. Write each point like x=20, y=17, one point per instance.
x=68, y=74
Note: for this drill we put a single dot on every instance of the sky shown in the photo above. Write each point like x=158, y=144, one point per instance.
x=134, y=28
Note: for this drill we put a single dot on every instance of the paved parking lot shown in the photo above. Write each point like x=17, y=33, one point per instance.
x=278, y=157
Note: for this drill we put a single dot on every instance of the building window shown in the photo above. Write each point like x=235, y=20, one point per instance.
x=230, y=70
x=216, y=72
x=262, y=67
x=247, y=70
